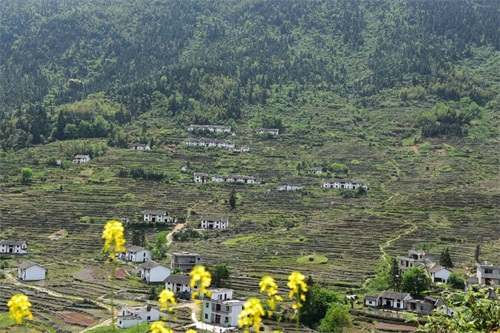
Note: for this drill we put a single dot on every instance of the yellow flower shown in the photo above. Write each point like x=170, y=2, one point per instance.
x=114, y=241
x=167, y=297
x=201, y=278
x=251, y=314
x=268, y=285
x=191, y=331
x=19, y=308
x=159, y=327
x=297, y=285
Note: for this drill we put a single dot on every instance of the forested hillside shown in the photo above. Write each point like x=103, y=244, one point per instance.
x=212, y=61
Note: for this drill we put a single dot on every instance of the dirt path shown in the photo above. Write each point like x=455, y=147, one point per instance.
x=171, y=233
x=107, y=322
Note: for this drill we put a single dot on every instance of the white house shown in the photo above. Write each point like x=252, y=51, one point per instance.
x=317, y=171
x=200, y=177
x=415, y=258
x=81, y=159
x=185, y=261
x=13, y=247
x=214, y=222
x=210, y=143
x=178, y=283
x=487, y=274
x=289, y=187
x=235, y=179
x=371, y=300
x=134, y=253
x=154, y=272
x=29, y=271
x=244, y=149
x=272, y=131
x=210, y=128
x=439, y=274
x=393, y=300
x=132, y=316
x=337, y=183
x=158, y=215
x=221, y=309
x=141, y=146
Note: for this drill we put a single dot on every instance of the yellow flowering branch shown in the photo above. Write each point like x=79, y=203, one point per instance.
x=114, y=243
x=298, y=288
x=251, y=315
x=19, y=308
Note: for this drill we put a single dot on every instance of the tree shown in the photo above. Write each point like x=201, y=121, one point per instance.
x=318, y=299
x=477, y=252
x=138, y=237
x=415, y=281
x=160, y=246
x=220, y=275
x=456, y=281
x=232, y=199
x=445, y=259
x=336, y=319
x=476, y=313
x=394, y=276
x=26, y=175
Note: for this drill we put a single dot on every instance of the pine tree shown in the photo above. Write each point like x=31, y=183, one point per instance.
x=445, y=259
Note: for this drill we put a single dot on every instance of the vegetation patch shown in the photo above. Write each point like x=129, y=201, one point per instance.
x=243, y=239
x=312, y=259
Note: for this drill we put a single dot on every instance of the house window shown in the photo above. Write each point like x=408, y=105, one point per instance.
x=148, y=318
x=206, y=316
x=488, y=271
x=206, y=305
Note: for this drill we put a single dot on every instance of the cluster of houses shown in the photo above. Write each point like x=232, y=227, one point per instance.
x=200, y=177
x=210, y=143
x=140, y=146
x=398, y=301
x=338, y=183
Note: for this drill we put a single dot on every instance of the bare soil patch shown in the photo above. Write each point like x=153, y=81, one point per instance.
x=415, y=150
x=90, y=274
x=58, y=234
x=440, y=152
x=394, y=327
x=76, y=318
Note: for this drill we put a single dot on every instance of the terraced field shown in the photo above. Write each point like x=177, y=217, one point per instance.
x=444, y=193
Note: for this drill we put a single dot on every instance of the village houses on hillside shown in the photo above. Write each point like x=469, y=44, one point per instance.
x=141, y=146
x=79, y=159
x=210, y=143
x=210, y=128
x=214, y=222
x=338, y=183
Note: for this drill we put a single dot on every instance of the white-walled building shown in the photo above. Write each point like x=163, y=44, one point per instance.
x=439, y=274
x=185, y=261
x=338, y=183
x=157, y=215
x=235, y=179
x=389, y=300
x=178, y=283
x=141, y=146
x=153, y=272
x=81, y=159
x=210, y=143
x=132, y=316
x=134, y=253
x=415, y=258
x=214, y=222
x=30, y=271
x=317, y=171
x=487, y=274
x=200, y=177
x=289, y=187
x=13, y=246
x=221, y=309
x=272, y=131
x=244, y=149
x=210, y=128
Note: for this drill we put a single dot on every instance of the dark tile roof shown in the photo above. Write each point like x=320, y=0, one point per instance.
x=178, y=278
x=27, y=264
x=393, y=295
x=155, y=212
x=12, y=242
x=370, y=297
x=133, y=248
x=150, y=264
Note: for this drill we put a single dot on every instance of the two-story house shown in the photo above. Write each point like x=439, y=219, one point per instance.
x=13, y=247
x=214, y=222
x=81, y=159
x=487, y=274
x=337, y=183
x=221, y=308
x=415, y=258
x=157, y=215
x=185, y=261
